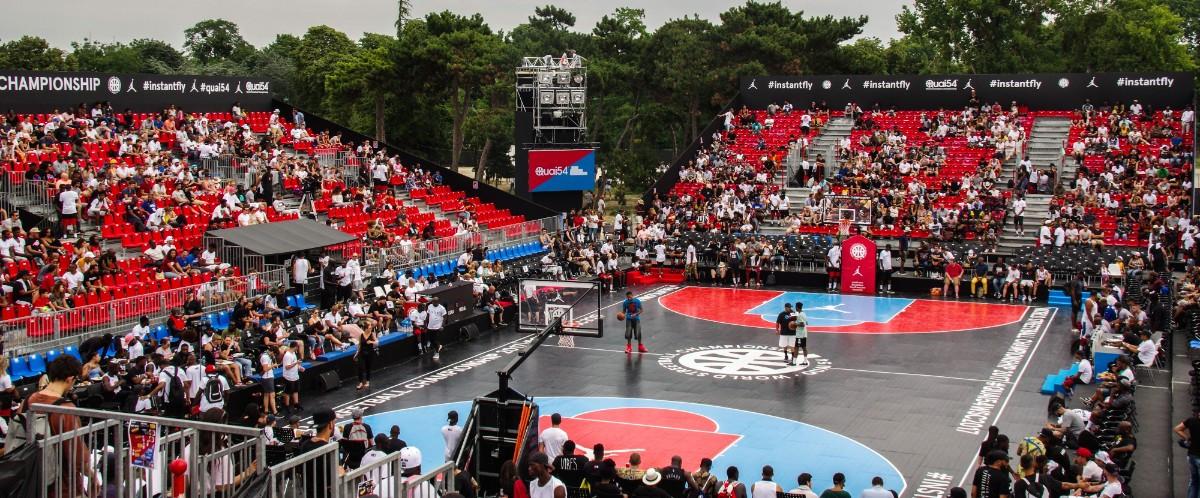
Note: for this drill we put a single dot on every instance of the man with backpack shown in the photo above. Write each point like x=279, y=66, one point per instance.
x=173, y=388
x=212, y=389
x=356, y=438
x=731, y=488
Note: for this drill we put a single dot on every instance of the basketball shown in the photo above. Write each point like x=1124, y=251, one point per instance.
x=793, y=324
x=620, y=316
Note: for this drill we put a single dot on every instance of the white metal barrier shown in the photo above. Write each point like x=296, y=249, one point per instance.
x=101, y=453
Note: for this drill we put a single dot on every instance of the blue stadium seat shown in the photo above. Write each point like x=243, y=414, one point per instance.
x=159, y=333
x=37, y=365
x=52, y=355
x=291, y=301
x=449, y=267
x=73, y=351
x=302, y=304
x=213, y=320
x=223, y=320
x=18, y=368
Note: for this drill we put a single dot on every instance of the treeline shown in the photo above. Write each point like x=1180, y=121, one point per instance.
x=442, y=85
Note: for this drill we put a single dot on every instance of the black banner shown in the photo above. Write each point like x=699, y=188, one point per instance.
x=1044, y=91
x=43, y=92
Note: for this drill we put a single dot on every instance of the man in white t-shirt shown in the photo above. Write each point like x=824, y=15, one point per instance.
x=833, y=264
x=545, y=485
x=1019, y=215
x=550, y=441
x=382, y=475
x=434, y=322
x=266, y=362
x=1060, y=236
x=69, y=200
x=291, y=379
x=660, y=256
x=451, y=434
x=300, y=270
x=1045, y=235
x=213, y=387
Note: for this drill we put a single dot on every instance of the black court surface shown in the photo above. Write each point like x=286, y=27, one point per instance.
x=901, y=388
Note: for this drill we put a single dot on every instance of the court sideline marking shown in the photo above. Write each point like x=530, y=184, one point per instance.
x=464, y=360
x=1012, y=388
x=908, y=373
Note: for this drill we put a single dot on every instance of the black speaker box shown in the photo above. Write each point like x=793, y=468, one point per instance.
x=330, y=381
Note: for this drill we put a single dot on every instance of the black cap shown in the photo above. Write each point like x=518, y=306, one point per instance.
x=323, y=416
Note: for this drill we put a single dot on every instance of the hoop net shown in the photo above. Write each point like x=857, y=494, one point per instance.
x=566, y=341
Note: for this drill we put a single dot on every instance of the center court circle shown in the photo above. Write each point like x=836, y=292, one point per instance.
x=660, y=429
x=739, y=362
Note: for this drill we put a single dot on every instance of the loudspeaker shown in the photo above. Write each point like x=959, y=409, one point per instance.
x=469, y=333
x=330, y=381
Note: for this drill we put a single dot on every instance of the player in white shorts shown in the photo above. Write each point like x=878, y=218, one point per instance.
x=801, y=347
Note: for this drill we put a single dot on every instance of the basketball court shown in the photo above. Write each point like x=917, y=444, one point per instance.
x=898, y=387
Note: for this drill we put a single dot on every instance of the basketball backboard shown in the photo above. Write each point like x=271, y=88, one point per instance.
x=578, y=303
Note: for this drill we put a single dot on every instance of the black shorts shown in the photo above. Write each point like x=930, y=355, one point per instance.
x=291, y=386
x=268, y=385
x=802, y=342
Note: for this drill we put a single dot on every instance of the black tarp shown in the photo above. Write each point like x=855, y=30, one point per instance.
x=282, y=237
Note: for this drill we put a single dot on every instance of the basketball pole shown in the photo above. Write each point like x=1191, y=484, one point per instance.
x=554, y=328
x=506, y=373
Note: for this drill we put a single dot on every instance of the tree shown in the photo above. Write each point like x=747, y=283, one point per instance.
x=548, y=32
x=864, y=56
x=157, y=56
x=1124, y=35
x=277, y=62
x=139, y=56
x=683, y=52
x=983, y=35
x=462, y=55
x=321, y=48
x=364, y=76
x=31, y=53
x=215, y=40
x=403, y=11
x=768, y=38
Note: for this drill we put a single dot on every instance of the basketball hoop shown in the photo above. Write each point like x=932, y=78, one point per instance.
x=566, y=341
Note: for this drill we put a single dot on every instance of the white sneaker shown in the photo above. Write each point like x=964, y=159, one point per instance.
x=437, y=356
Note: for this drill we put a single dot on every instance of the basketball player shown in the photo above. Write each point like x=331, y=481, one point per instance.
x=787, y=336
x=632, y=307
x=801, y=344
x=833, y=261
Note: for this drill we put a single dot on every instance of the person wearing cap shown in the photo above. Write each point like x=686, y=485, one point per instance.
x=1089, y=470
x=356, y=438
x=316, y=483
x=410, y=463
x=213, y=387
x=649, y=487
x=992, y=478
x=451, y=434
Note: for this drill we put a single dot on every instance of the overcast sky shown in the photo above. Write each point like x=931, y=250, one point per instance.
x=63, y=21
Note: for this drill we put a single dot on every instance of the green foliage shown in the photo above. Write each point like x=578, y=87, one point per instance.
x=215, y=40
x=31, y=53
